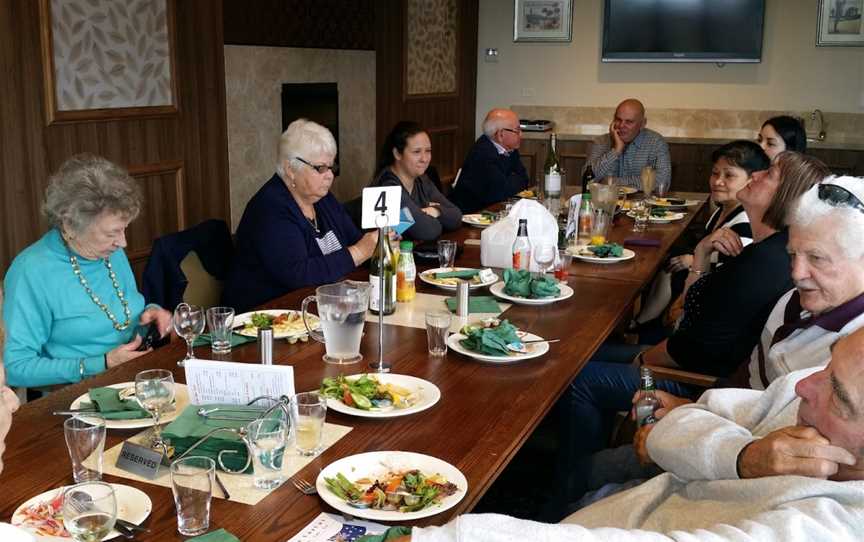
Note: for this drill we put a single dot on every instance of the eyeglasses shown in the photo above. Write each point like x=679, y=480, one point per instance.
x=838, y=196
x=321, y=168
x=517, y=132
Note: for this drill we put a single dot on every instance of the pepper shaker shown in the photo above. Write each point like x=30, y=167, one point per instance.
x=265, y=345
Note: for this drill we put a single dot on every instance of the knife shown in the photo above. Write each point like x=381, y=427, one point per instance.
x=95, y=413
x=132, y=526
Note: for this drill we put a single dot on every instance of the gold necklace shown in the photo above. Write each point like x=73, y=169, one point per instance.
x=77, y=270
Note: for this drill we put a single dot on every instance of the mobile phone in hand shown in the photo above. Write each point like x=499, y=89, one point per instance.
x=149, y=338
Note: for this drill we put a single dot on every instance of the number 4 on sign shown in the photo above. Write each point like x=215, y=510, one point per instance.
x=381, y=206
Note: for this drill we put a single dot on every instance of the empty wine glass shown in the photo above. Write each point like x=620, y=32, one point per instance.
x=154, y=391
x=89, y=511
x=544, y=256
x=188, y=323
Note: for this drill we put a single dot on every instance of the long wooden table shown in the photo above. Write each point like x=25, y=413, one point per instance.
x=485, y=414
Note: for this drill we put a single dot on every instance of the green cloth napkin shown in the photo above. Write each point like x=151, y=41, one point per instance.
x=477, y=303
x=490, y=341
x=521, y=284
x=606, y=250
x=389, y=534
x=107, y=401
x=236, y=340
x=463, y=274
x=189, y=427
x=215, y=536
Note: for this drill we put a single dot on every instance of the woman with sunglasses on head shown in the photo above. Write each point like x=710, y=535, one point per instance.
x=782, y=133
x=294, y=233
x=404, y=159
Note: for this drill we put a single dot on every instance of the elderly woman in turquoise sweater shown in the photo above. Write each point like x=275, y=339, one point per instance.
x=72, y=308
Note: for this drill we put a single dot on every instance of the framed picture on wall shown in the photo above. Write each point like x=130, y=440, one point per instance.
x=840, y=23
x=108, y=60
x=543, y=20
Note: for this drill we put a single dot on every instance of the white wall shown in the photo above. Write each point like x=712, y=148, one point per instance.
x=794, y=73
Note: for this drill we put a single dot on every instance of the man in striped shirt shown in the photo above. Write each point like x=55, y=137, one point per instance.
x=628, y=146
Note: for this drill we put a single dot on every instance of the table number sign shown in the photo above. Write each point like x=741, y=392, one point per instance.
x=236, y=383
x=381, y=206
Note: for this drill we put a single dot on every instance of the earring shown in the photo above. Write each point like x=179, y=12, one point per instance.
x=293, y=185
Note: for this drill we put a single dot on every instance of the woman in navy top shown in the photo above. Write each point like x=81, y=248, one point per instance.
x=294, y=233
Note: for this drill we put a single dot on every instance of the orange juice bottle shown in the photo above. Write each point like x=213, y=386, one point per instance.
x=406, y=273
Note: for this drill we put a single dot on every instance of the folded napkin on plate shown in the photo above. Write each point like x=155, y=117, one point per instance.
x=463, y=274
x=189, y=427
x=607, y=250
x=236, y=340
x=476, y=304
x=491, y=341
x=389, y=534
x=521, y=284
x=220, y=535
x=107, y=401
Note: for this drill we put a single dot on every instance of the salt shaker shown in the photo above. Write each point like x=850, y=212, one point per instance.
x=462, y=298
x=265, y=345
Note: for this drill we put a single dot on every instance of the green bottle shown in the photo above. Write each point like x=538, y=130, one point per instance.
x=382, y=252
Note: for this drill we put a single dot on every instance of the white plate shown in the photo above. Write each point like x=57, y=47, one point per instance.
x=181, y=401
x=626, y=254
x=429, y=395
x=666, y=219
x=497, y=290
x=658, y=203
x=475, y=220
x=378, y=464
x=241, y=319
x=534, y=350
x=425, y=277
x=132, y=505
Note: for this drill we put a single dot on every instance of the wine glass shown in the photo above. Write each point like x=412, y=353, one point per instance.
x=89, y=511
x=188, y=323
x=154, y=391
x=544, y=255
x=648, y=177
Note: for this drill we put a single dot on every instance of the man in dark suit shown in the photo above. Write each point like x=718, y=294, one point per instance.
x=492, y=171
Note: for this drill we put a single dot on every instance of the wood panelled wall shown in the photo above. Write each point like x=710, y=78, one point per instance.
x=321, y=24
x=180, y=161
x=448, y=118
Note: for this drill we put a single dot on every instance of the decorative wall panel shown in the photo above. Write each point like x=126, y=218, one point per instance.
x=431, y=30
x=108, y=58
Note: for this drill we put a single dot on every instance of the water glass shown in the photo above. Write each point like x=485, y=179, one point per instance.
x=266, y=439
x=85, y=439
x=220, y=320
x=641, y=212
x=446, y=253
x=600, y=228
x=188, y=323
x=89, y=511
x=154, y=391
x=437, y=326
x=311, y=409
x=192, y=484
x=562, y=265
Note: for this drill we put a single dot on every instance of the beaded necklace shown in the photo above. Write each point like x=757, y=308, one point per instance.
x=77, y=270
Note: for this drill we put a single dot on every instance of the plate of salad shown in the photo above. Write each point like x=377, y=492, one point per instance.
x=391, y=486
x=286, y=323
x=42, y=515
x=379, y=396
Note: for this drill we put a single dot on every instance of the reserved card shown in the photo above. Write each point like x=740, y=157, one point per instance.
x=236, y=383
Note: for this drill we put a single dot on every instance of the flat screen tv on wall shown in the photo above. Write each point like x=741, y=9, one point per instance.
x=683, y=30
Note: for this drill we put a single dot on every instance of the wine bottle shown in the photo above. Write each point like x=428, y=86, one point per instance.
x=552, y=177
x=383, y=254
x=522, y=247
x=587, y=178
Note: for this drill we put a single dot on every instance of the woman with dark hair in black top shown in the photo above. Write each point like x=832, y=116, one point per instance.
x=404, y=159
x=783, y=133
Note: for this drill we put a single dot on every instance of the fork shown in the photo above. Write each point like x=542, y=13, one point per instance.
x=304, y=487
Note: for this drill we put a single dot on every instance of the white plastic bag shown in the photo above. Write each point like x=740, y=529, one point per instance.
x=496, y=241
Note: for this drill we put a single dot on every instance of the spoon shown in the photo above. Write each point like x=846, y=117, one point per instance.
x=520, y=347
